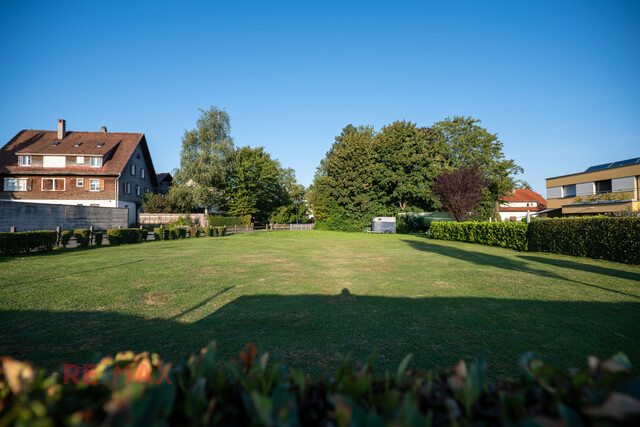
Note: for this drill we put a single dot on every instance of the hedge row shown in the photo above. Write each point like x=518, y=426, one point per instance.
x=27, y=241
x=506, y=234
x=613, y=239
x=229, y=221
x=142, y=390
x=119, y=236
x=181, y=233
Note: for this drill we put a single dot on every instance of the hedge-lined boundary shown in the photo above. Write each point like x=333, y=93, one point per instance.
x=27, y=241
x=612, y=239
x=119, y=236
x=505, y=234
x=142, y=390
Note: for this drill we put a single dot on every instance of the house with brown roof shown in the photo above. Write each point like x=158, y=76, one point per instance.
x=515, y=206
x=110, y=169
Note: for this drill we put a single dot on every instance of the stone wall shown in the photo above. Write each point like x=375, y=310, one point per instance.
x=39, y=216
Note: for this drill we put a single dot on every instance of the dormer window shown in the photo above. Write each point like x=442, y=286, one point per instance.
x=100, y=144
x=24, y=160
x=54, y=143
x=77, y=144
x=96, y=162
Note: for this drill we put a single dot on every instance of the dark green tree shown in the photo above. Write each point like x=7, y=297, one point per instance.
x=466, y=144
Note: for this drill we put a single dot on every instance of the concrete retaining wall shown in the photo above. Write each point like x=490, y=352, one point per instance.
x=39, y=216
x=161, y=219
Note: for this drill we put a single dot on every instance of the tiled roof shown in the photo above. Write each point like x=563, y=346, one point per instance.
x=162, y=176
x=118, y=145
x=522, y=209
x=524, y=195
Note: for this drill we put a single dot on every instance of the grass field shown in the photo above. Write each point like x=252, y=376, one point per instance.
x=313, y=297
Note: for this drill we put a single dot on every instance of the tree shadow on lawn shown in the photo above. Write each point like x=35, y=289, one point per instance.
x=485, y=259
x=316, y=332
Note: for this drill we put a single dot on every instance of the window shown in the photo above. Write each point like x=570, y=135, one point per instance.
x=96, y=162
x=127, y=187
x=137, y=190
x=24, y=160
x=80, y=160
x=94, y=185
x=52, y=184
x=603, y=186
x=142, y=173
x=15, y=184
x=146, y=190
x=79, y=182
x=133, y=169
x=569, y=190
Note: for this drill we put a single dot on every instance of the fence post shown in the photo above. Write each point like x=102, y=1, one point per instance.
x=12, y=230
x=235, y=229
x=58, y=235
x=91, y=235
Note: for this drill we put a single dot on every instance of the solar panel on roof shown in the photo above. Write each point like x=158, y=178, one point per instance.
x=614, y=164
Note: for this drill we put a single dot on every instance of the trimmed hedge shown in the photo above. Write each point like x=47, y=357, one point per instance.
x=229, y=221
x=158, y=233
x=221, y=231
x=613, y=239
x=119, y=236
x=65, y=236
x=506, y=234
x=27, y=241
x=140, y=389
x=83, y=237
x=194, y=231
x=174, y=233
x=98, y=238
x=210, y=231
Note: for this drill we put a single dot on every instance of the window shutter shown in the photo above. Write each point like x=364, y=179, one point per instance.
x=29, y=184
x=102, y=185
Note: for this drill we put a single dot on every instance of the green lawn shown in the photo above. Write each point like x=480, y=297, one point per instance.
x=314, y=297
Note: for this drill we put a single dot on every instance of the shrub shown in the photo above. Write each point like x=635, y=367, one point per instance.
x=251, y=390
x=98, y=238
x=27, y=241
x=65, y=236
x=83, y=237
x=144, y=234
x=182, y=221
x=229, y=221
x=158, y=233
x=174, y=233
x=194, y=231
x=119, y=236
x=245, y=220
x=613, y=239
x=506, y=234
x=182, y=232
x=221, y=231
x=210, y=231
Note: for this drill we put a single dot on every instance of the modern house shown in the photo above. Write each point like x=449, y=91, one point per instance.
x=515, y=206
x=111, y=169
x=610, y=187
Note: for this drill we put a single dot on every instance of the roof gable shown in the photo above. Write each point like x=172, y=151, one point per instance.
x=524, y=195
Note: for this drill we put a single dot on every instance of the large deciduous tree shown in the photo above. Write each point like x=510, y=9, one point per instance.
x=467, y=144
x=460, y=191
x=206, y=156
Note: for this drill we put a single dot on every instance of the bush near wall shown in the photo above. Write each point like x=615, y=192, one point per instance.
x=221, y=231
x=254, y=391
x=210, y=231
x=613, y=239
x=27, y=241
x=229, y=221
x=98, y=238
x=505, y=234
x=83, y=237
x=65, y=236
x=119, y=236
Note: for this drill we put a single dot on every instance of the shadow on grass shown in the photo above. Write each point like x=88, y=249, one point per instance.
x=315, y=332
x=562, y=263
x=485, y=259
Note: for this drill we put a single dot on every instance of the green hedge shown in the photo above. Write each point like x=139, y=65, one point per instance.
x=83, y=237
x=98, y=238
x=221, y=231
x=229, y=221
x=141, y=389
x=65, y=236
x=119, y=236
x=506, y=234
x=27, y=241
x=613, y=239
x=210, y=231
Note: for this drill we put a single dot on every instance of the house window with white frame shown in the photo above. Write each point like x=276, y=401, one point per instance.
x=53, y=184
x=137, y=190
x=80, y=160
x=15, y=184
x=96, y=162
x=24, y=160
x=127, y=187
x=142, y=173
x=79, y=182
x=133, y=169
x=94, y=185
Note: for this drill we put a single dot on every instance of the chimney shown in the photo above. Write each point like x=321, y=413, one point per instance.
x=103, y=129
x=62, y=129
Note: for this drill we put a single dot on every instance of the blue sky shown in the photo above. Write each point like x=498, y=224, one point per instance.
x=558, y=81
